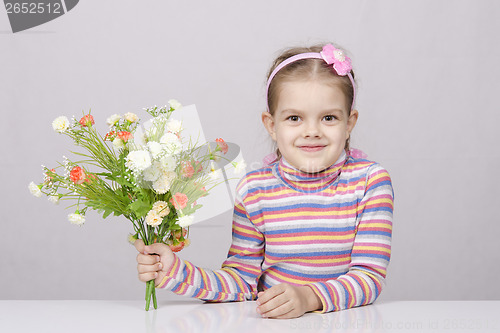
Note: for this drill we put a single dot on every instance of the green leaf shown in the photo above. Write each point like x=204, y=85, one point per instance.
x=107, y=212
x=140, y=207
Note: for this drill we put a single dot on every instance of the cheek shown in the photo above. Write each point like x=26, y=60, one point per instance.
x=340, y=135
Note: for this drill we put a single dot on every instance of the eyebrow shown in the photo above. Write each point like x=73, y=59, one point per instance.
x=327, y=111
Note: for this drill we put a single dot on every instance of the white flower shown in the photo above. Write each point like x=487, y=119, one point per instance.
x=161, y=207
x=164, y=182
x=339, y=55
x=168, y=163
x=185, y=221
x=118, y=143
x=153, y=172
x=174, y=104
x=113, y=119
x=35, y=190
x=172, y=143
x=174, y=126
x=153, y=218
x=76, y=218
x=239, y=167
x=215, y=174
x=54, y=199
x=151, y=132
x=155, y=149
x=138, y=160
x=132, y=117
x=60, y=124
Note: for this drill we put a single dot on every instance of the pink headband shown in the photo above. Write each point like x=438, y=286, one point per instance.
x=331, y=55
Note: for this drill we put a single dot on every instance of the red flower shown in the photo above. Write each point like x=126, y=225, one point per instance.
x=77, y=175
x=222, y=145
x=90, y=177
x=124, y=135
x=49, y=175
x=87, y=120
x=110, y=136
x=179, y=200
x=187, y=169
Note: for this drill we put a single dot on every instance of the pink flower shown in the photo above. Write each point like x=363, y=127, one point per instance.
x=179, y=200
x=187, y=169
x=87, y=120
x=222, y=145
x=198, y=165
x=77, y=175
x=124, y=135
x=341, y=63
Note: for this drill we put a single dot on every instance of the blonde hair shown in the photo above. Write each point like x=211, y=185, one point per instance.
x=306, y=69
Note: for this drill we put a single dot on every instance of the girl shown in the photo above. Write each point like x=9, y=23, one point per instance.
x=311, y=231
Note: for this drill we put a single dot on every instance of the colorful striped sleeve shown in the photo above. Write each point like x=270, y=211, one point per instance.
x=237, y=279
x=371, y=251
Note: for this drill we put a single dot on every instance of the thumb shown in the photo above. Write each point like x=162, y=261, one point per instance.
x=157, y=248
x=139, y=245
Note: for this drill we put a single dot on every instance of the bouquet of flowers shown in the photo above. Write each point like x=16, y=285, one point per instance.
x=152, y=177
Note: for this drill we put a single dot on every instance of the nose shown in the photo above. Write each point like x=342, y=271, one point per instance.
x=312, y=129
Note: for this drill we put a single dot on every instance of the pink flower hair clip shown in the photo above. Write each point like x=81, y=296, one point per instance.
x=329, y=54
x=341, y=63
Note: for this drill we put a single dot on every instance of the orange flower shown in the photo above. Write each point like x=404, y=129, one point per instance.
x=176, y=248
x=179, y=200
x=124, y=135
x=178, y=234
x=87, y=120
x=77, y=175
x=222, y=145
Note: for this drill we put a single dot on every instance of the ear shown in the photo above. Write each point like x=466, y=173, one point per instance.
x=268, y=121
x=351, y=121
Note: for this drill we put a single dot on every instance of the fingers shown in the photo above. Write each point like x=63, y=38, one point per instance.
x=277, y=308
x=145, y=277
x=148, y=266
x=265, y=296
x=280, y=301
x=153, y=261
x=149, y=272
x=271, y=302
x=147, y=259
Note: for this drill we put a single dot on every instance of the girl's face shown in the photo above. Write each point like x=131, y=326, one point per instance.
x=310, y=124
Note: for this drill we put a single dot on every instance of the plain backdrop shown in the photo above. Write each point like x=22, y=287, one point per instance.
x=428, y=102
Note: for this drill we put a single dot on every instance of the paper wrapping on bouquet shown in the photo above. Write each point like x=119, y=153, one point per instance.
x=220, y=198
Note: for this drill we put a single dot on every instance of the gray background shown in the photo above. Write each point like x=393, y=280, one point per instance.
x=428, y=90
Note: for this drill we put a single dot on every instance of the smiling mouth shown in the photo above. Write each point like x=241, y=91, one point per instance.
x=312, y=148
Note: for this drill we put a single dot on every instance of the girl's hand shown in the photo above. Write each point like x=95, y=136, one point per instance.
x=287, y=301
x=153, y=261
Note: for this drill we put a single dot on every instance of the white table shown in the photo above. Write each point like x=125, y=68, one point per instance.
x=189, y=315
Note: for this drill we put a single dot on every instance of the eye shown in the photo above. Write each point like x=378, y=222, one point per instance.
x=329, y=118
x=293, y=118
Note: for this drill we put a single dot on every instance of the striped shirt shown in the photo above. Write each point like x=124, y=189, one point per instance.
x=329, y=230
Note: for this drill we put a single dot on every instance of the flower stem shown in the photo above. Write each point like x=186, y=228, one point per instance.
x=148, y=293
